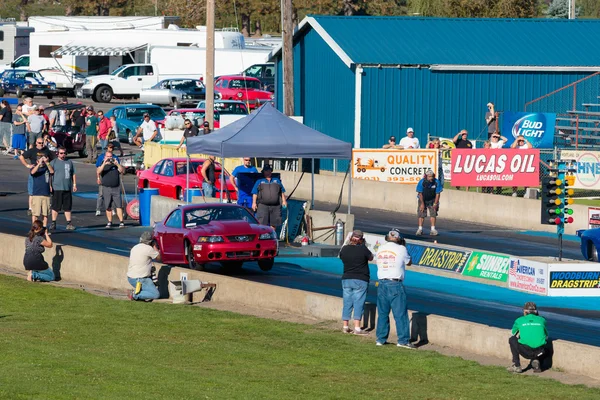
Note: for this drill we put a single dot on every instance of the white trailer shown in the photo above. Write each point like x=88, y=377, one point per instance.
x=14, y=42
x=51, y=23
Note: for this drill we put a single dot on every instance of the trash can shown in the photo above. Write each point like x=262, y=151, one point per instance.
x=191, y=193
x=145, y=202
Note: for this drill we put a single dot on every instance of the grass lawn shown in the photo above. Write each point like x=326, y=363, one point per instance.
x=588, y=202
x=61, y=343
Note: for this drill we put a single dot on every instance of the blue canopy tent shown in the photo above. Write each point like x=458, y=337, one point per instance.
x=269, y=133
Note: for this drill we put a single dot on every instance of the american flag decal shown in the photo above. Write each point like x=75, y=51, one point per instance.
x=513, y=267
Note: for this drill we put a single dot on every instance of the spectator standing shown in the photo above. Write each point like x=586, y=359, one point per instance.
x=37, y=240
x=437, y=145
x=206, y=128
x=63, y=119
x=29, y=159
x=64, y=183
x=461, y=140
x=5, y=119
x=100, y=201
x=53, y=118
x=77, y=118
x=109, y=174
x=391, y=144
x=37, y=125
x=42, y=112
x=19, y=139
x=190, y=131
x=529, y=339
x=520, y=143
x=429, y=190
x=497, y=141
x=410, y=141
x=5, y=112
x=139, y=271
x=28, y=107
x=146, y=132
x=243, y=188
x=208, y=177
x=355, y=281
x=40, y=193
x=91, y=135
x=392, y=259
x=491, y=119
x=113, y=136
x=104, y=127
x=268, y=196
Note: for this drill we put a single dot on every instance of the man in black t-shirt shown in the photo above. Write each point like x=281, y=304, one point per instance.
x=109, y=173
x=355, y=281
x=190, y=131
x=29, y=160
x=461, y=141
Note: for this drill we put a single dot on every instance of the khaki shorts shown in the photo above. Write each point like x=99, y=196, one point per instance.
x=40, y=206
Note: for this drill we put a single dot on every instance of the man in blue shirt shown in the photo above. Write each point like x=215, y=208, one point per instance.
x=428, y=192
x=267, y=198
x=243, y=185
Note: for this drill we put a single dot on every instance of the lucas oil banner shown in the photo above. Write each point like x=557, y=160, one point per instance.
x=537, y=128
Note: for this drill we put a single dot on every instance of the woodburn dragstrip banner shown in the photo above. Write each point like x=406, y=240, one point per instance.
x=495, y=167
x=398, y=166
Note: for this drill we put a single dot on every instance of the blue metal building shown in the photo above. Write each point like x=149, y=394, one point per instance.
x=363, y=79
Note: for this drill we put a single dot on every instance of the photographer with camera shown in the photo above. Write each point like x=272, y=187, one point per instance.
x=139, y=272
x=109, y=177
x=392, y=259
x=40, y=192
x=355, y=280
x=491, y=119
x=37, y=240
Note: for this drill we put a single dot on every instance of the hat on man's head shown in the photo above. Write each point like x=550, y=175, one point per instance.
x=146, y=115
x=146, y=237
x=207, y=124
x=90, y=108
x=34, y=107
x=393, y=138
x=357, y=234
x=267, y=167
x=429, y=172
x=410, y=130
x=395, y=234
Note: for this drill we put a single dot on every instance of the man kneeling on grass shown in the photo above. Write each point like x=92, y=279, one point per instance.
x=529, y=338
x=139, y=273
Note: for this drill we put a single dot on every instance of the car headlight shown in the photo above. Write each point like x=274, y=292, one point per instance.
x=210, y=239
x=239, y=95
x=30, y=86
x=87, y=81
x=267, y=236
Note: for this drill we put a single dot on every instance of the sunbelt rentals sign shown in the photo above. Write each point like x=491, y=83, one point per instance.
x=488, y=266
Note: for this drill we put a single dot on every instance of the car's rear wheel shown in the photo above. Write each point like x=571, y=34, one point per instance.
x=593, y=253
x=19, y=92
x=192, y=264
x=104, y=94
x=266, y=264
x=232, y=266
x=178, y=193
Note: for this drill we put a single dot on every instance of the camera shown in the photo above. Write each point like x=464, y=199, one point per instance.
x=110, y=161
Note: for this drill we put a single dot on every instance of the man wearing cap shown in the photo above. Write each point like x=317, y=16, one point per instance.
x=243, y=185
x=355, y=280
x=268, y=195
x=146, y=132
x=91, y=135
x=429, y=190
x=410, y=141
x=139, y=272
x=392, y=259
x=190, y=131
x=529, y=339
x=461, y=141
x=206, y=128
x=391, y=144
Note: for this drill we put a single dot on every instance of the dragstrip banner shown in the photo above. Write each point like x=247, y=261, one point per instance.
x=495, y=167
x=397, y=166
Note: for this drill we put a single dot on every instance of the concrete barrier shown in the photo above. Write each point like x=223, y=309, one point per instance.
x=505, y=211
x=322, y=219
x=109, y=271
x=161, y=206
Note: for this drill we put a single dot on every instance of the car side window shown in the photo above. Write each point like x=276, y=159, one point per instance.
x=224, y=83
x=168, y=168
x=158, y=166
x=269, y=71
x=174, y=220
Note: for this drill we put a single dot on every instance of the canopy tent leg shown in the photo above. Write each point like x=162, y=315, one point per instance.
x=349, y=193
x=312, y=184
x=222, y=177
x=187, y=179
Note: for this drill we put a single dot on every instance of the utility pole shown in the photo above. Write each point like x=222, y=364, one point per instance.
x=209, y=81
x=288, y=59
x=572, y=9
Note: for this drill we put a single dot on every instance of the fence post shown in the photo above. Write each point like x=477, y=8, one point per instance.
x=577, y=131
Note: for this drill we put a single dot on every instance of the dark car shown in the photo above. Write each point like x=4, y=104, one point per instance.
x=265, y=73
x=131, y=116
x=23, y=82
x=590, y=243
x=70, y=137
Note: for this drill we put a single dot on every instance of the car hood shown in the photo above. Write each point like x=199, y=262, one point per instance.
x=228, y=228
x=35, y=81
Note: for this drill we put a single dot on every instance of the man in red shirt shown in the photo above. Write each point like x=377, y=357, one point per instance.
x=104, y=126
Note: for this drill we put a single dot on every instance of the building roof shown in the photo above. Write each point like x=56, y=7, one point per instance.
x=462, y=42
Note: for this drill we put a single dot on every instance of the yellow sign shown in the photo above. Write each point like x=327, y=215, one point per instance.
x=391, y=165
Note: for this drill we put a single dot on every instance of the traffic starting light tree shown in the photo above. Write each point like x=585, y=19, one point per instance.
x=557, y=197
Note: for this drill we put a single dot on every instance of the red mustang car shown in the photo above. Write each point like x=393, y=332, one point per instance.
x=194, y=114
x=169, y=177
x=243, y=88
x=226, y=233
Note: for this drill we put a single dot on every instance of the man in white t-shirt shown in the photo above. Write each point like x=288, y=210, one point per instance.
x=409, y=141
x=497, y=141
x=392, y=259
x=146, y=132
x=28, y=107
x=140, y=269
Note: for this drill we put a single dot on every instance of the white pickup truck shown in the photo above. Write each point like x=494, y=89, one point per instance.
x=127, y=81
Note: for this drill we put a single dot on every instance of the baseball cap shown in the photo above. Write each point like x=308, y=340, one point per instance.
x=146, y=237
x=90, y=108
x=34, y=107
x=146, y=115
x=357, y=234
x=206, y=123
x=410, y=130
x=395, y=234
x=267, y=167
x=430, y=172
x=393, y=138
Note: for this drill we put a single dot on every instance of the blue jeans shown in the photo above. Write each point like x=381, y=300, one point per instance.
x=30, y=184
x=355, y=294
x=103, y=144
x=391, y=296
x=43, y=276
x=208, y=189
x=149, y=290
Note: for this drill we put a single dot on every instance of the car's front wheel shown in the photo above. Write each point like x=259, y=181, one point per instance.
x=104, y=94
x=192, y=264
x=266, y=264
x=593, y=253
x=19, y=92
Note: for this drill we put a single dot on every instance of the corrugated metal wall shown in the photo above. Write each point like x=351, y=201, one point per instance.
x=442, y=103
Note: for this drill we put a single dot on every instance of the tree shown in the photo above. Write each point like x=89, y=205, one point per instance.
x=590, y=8
x=560, y=9
x=426, y=8
x=469, y=8
x=96, y=7
x=516, y=9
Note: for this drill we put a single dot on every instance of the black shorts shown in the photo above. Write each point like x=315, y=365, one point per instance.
x=268, y=215
x=62, y=200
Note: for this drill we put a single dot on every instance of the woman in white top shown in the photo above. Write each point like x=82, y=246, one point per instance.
x=497, y=141
x=520, y=143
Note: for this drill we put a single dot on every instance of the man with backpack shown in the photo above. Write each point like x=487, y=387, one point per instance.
x=267, y=198
x=64, y=183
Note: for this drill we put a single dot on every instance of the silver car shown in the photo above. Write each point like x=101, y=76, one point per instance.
x=174, y=92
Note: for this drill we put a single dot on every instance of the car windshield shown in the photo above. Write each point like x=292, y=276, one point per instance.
x=193, y=115
x=204, y=215
x=244, y=84
x=231, y=108
x=28, y=74
x=186, y=84
x=137, y=113
x=121, y=68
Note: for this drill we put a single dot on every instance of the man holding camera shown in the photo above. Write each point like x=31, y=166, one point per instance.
x=109, y=176
x=491, y=119
x=139, y=272
x=40, y=193
x=529, y=338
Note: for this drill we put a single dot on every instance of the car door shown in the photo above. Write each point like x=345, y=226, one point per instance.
x=153, y=177
x=166, y=183
x=171, y=239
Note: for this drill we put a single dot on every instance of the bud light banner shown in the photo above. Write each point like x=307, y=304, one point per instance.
x=495, y=167
x=537, y=128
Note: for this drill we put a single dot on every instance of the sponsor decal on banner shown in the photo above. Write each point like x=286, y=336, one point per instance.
x=587, y=175
x=528, y=276
x=593, y=217
x=437, y=257
x=495, y=167
x=574, y=280
x=537, y=128
x=488, y=266
x=398, y=166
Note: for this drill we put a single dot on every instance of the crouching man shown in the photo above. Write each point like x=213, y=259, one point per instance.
x=529, y=338
x=139, y=273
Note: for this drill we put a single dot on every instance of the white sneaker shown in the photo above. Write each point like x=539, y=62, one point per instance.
x=98, y=213
x=380, y=344
x=419, y=232
x=433, y=232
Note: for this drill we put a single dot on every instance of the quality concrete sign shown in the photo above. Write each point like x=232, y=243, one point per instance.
x=488, y=266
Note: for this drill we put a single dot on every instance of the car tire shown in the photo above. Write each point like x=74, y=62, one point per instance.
x=232, y=266
x=104, y=94
x=82, y=153
x=176, y=103
x=192, y=264
x=19, y=93
x=146, y=184
x=179, y=193
x=266, y=264
x=593, y=253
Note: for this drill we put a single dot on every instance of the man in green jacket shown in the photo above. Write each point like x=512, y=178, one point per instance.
x=529, y=338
